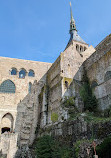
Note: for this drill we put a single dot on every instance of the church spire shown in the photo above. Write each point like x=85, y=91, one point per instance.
x=73, y=31
x=72, y=21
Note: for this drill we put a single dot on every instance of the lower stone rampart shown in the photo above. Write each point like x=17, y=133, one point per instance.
x=71, y=131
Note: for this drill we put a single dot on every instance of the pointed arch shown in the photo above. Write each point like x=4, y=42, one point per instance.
x=7, y=123
x=7, y=86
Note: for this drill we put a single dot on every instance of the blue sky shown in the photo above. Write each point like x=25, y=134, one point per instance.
x=39, y=29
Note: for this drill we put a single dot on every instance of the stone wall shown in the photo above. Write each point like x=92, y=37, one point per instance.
x=28, y=115
x=8, y=144
x=9, y=101
x=54, y=88
x=101, y=49
x=96, y=66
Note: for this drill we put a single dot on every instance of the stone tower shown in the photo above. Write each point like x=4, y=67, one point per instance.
x=64, y=69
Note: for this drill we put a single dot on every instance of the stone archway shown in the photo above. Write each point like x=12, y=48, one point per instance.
x=7, y=123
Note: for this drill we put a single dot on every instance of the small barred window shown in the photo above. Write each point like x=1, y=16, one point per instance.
x=94, y=84
x=66, y=84
x=107, y=76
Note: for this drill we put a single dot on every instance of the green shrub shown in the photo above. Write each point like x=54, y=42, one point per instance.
x=44, y=147
x=47, y=147
x=54, y=117
x=69, y=102
x=107, y=112
x=77, y=148
x=104, y=149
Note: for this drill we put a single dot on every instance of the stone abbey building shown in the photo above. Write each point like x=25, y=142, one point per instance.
x=31, y=92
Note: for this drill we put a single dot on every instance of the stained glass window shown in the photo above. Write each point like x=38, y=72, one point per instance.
x=7, y=87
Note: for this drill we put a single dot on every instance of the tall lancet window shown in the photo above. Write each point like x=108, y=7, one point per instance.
x=30, y=86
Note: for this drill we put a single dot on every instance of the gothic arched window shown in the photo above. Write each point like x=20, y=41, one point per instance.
x=107, y=76
x=30, y=86
x=14, y=71
x=22, y=73
x=94, y=84
x=7, y=87
x=31, y=73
